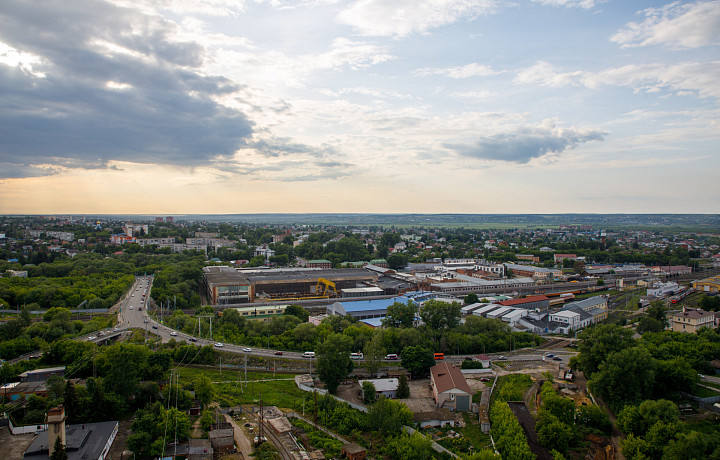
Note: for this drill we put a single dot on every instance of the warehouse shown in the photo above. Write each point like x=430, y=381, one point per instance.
x=227, y=286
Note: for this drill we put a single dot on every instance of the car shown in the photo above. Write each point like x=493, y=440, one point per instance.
x=192, y=339
x=549, y=355
x=173, y=333
x=391, y=356
x=503, y=358
x=557, y=358
x=279, y=353
x=218, y=344
x=132, y=295
x=116, y=329
x=356, y=356
x=92, y=337
x=484, y=379
x=145, y=321
x=308, y=354
x=101, y=333
x=154, y=326
x=247, y=350
x=131, y=307
x=140, y=308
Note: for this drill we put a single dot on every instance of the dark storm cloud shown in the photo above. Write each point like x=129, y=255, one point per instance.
x=163, y=113
x=525, y=144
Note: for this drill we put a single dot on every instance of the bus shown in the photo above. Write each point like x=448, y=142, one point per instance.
x=439, y=356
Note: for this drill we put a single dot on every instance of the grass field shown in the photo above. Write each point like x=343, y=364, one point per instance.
x=231, y=390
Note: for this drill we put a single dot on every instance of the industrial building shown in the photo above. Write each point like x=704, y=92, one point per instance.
x=227, y=286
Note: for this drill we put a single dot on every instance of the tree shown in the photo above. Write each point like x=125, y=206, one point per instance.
x=418, y=360
x=658, y=312
x=471, y=299
x=204, y=390
x=594, y=417
x=125, y=363
x=297, y=311
x=333, y=360
x=400, y=315
x=403, y=389
x=553, y=434
x=598, y=343
x=440, y=315
x=388, y=417
x=638, y=420
x=627, y=377
x=368, y=390
x=71, y=403
x=374, y=353
x=397, y=260
x=59, y=452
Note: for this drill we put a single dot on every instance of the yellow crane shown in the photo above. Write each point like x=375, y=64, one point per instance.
x=324, y=287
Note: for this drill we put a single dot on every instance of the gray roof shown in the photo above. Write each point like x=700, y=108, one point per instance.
x=82, y=441
x=588, y=303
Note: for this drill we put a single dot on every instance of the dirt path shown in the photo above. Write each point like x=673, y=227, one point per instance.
x=242, y=443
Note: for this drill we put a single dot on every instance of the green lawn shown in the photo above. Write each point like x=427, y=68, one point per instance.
x=705, y=392
x=471, y=431
x=278, y=391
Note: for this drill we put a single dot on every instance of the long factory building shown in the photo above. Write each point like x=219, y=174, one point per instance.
x=229, y=286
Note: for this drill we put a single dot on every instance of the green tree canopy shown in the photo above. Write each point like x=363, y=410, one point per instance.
x=333, y=360
x=627, y=377
x=418, y=360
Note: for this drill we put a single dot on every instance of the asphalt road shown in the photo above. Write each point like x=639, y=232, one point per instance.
x=133, y=315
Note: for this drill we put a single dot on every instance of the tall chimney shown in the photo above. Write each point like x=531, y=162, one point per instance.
x=56, y=427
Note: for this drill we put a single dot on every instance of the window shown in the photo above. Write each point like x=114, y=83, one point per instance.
x=452, y=397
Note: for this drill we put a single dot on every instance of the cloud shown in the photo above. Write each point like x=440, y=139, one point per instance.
x=698, y=78
x=466, y=71
x=400, y=18
x=586, y=4
x=675, y=25
x=526, y=143
x=94, y=82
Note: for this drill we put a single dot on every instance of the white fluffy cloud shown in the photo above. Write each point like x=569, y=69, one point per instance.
x=675, y=25
x=404, y=17
x=698, y=78
x=568, y=3
x=466, y=71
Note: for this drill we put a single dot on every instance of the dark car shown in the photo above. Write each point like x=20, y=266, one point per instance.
x=154, y=326
x=557, y=358
x=279, y=353
x=193, y=339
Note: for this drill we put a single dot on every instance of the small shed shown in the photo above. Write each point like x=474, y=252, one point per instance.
x=200, y=449
x=354, y=451
x=222, y=441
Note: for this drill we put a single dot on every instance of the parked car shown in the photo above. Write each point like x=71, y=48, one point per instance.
x=484, y=379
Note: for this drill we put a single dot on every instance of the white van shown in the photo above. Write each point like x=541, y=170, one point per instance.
x=308, y=354
x=356, y=356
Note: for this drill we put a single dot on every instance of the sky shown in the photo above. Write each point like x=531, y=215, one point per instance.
x=389, y=106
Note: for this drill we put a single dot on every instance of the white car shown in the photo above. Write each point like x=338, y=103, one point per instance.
x=92, y=337
x=218, y=344
x=173, y=333
x=247, y=350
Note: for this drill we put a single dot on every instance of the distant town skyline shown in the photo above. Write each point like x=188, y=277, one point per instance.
x=365, y=106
